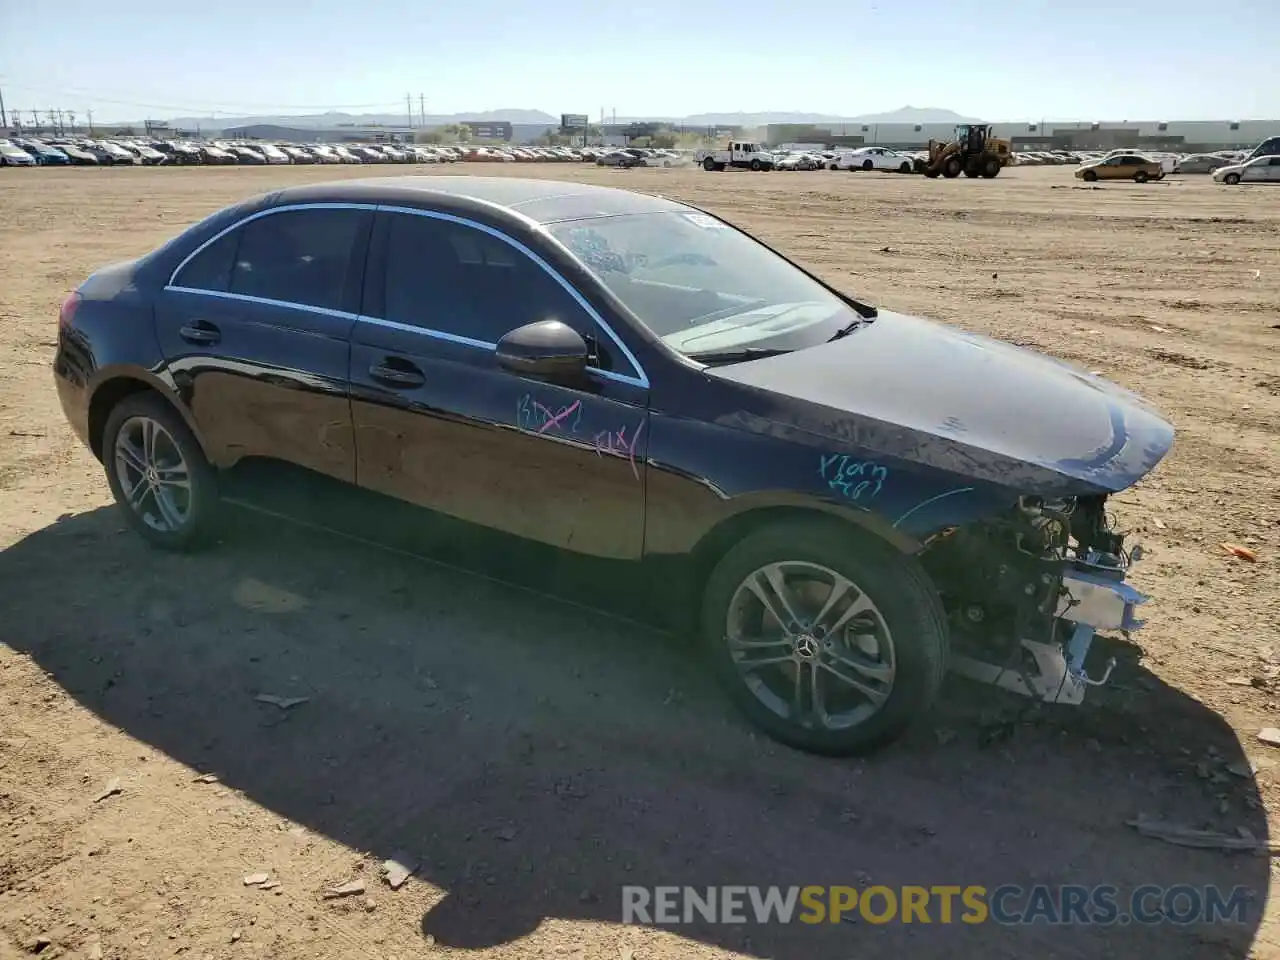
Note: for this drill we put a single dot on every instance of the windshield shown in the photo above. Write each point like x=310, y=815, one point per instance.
x=702, y=285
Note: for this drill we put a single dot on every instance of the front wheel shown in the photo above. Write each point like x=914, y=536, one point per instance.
x=1140, y=177
x=1089, y=176
x=756, y=165
x=158, y=473
x=828, y=642
x=905, y=168
x=868, y=165
x=1231, y=178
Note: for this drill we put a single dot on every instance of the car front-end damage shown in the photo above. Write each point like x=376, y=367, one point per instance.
x=1027, y=592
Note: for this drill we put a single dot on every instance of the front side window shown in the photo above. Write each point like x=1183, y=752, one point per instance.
x=702, y=285
x=297, y=256
x=452, y=278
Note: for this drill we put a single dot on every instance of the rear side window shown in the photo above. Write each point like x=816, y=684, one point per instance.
x=297, y=256
x=210, y=269
x=453, y=278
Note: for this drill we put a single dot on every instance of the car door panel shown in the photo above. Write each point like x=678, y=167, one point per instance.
x=268, y=377
x=273, y=383
x=558, y=464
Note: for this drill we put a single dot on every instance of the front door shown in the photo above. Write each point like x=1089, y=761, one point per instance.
x=440, y=424
x=255, y=329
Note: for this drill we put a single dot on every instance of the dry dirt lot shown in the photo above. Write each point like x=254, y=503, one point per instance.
x=534, y=755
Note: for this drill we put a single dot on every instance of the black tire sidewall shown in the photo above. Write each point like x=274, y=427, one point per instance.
x=896, y=584
x=204, y=493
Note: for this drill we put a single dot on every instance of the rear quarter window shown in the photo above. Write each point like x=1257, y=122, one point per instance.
x=210, y=269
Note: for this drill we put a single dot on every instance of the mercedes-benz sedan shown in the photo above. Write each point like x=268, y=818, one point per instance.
x=838, y=497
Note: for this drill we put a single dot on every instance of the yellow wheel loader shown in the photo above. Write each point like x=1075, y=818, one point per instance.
x=973, y=152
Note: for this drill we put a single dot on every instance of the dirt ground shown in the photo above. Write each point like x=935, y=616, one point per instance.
x=534, y=756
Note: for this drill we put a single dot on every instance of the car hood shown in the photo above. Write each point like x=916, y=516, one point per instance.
x=927, y=393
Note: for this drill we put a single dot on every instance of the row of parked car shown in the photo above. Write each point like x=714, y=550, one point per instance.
x=1170, y=162
x=85, y=151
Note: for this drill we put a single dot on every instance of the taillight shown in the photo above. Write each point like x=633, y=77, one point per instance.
x=67, y=313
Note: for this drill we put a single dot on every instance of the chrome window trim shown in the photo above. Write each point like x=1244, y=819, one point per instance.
x=640, y=380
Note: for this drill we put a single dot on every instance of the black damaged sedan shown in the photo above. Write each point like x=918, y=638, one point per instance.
x=843, y=500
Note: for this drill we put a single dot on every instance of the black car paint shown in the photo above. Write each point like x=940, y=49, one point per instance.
x=615, y=469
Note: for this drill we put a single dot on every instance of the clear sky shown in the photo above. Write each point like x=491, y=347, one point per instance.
x=996, y=59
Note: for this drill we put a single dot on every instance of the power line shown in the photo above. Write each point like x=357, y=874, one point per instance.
x=205, y=106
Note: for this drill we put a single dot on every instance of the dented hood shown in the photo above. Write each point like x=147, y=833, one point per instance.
x=932, y=394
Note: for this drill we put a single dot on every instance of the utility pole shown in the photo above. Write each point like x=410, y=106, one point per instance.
x=53, y=120
x=4, y=118
x=71, y=120
x=422, y=110
x=61, y=128
x=35, y=120
x=408, y=109
x=90, y=112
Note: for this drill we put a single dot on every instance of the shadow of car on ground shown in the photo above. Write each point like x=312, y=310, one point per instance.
x=537, y=756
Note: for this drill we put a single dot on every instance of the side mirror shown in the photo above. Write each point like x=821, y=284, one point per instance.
x=547, y=348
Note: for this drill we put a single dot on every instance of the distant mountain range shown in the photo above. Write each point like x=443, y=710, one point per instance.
x=519, y=117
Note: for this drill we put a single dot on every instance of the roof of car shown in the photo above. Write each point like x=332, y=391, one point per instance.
x=543, y=201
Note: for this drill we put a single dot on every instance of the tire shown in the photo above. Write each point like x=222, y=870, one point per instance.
x=991, y=167
x=708, y=164
x=951, y=169
x=868, y=165
x=905, y=168
x=909, y=635
x=1231, y=178
x=1089, y=176
x=173, y=451
x=757, y=166
x=1140, y=177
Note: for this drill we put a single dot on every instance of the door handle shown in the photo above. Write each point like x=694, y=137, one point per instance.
x=404, y=374
x=200, y=332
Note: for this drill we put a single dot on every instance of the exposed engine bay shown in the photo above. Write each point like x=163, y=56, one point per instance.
x=1026, y=593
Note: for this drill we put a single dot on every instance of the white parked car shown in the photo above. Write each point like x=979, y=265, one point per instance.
x=872, y=158
x=1258, y=170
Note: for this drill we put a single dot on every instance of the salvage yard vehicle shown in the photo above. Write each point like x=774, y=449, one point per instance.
x=1200, y=163
x=836, y=499
x=738, y=153
x=1121, y=166
x=1263, y=169
x=11, y=155
x=872, y=158
x=974, y=152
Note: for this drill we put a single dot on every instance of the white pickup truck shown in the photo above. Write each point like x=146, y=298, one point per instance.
x=739, y=153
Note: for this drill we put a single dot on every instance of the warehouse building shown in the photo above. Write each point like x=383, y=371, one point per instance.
x=1184, y=135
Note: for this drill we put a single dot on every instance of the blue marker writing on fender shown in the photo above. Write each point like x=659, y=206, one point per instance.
x=852, y=478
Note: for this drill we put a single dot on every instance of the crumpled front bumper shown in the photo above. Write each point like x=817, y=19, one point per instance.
x=1054, y=672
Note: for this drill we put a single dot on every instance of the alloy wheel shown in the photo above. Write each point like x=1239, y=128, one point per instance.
x=154, y=479
x=810, y=645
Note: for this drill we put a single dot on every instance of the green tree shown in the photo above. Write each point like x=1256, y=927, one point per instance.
x=429, y=136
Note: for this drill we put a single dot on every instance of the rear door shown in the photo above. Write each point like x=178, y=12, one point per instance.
x=256, y=330
x=439, y=423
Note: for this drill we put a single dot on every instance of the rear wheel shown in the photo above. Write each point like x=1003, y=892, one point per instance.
x=905, y=168
x=708, y=164
x=868, y=165
x=1140, y=177
x=158, y=473
x=827, y=642
x=991, y=167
